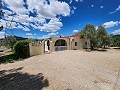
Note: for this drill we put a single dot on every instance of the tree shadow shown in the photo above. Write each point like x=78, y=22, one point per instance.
x=102, y=50
x=116, y=48
x=14, y=79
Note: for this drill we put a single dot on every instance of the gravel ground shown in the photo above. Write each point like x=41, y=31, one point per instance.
x=65, y=70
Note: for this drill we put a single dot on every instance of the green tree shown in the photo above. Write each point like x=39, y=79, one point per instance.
x=102, y=37
x=1, y=15
x=89, y=32
x=116, y=40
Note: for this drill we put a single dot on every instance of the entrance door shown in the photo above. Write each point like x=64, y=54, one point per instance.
x=47, y=46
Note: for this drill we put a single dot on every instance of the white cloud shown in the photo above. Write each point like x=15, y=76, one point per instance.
x=81, y=0
x=2, y=23
x=2, y=34
x=117, y=9
x=52, y=26
x=73, y=10
x=29, y=34
x=52, y=34
x=35, y=34
x=26, y=28
x=101, y=7
x=75, y=31
x=92, y=5
x=49, y=35
x=7, y=24
x=31, y=37
x=21, y=18
x=7, y=12
x=44, y=11
x=96, y=27
x=111, y=24
x=74, y=7
x=16, y=6
x=49, y=10
x=115, y=32
x=76, y=0
x=70, y=1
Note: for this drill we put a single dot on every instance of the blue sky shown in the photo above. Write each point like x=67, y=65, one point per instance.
x=52, y=18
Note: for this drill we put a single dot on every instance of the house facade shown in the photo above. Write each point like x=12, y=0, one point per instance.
x=73, y=42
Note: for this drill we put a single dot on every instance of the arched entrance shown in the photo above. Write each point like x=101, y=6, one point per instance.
x=46, y=46
x=60, y=45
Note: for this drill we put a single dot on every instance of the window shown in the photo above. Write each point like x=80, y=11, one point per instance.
x=85, y=43
x=72, y=39
x=75, y=43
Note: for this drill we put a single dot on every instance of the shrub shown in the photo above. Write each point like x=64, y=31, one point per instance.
x=116, y=40
x=8, y=58
x=22, y=49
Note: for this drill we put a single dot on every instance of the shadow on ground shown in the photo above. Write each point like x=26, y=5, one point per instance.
x=14, y=79
x=116, y=48
x=102, y=50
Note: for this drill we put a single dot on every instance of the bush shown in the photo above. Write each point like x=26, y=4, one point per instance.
x=22, y=49
x=8, y=58
x=116, y=40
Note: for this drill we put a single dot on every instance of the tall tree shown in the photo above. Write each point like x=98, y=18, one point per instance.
x=102, y=37
x=1, y=15
x=1, y=11
x=116, y=40
x=89, y=32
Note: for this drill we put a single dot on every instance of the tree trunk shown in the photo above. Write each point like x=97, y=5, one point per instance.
x=92, y=47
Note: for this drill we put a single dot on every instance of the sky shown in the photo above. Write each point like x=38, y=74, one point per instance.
x=53, y=18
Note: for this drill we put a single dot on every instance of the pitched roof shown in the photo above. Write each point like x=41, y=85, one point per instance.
x=76, y=35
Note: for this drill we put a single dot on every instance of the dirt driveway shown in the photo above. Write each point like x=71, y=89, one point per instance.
x=66, y=70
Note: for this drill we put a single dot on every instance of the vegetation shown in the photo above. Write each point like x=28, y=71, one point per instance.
x=116, y=40
x=22, y=49
x=1, y=12
x=1, y=15
x=103, y=38
x=90, y=33
x=10, y=41
x=98, y=38
x=8, y=58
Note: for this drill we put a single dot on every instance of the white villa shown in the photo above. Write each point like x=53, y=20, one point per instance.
x=73, y=42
